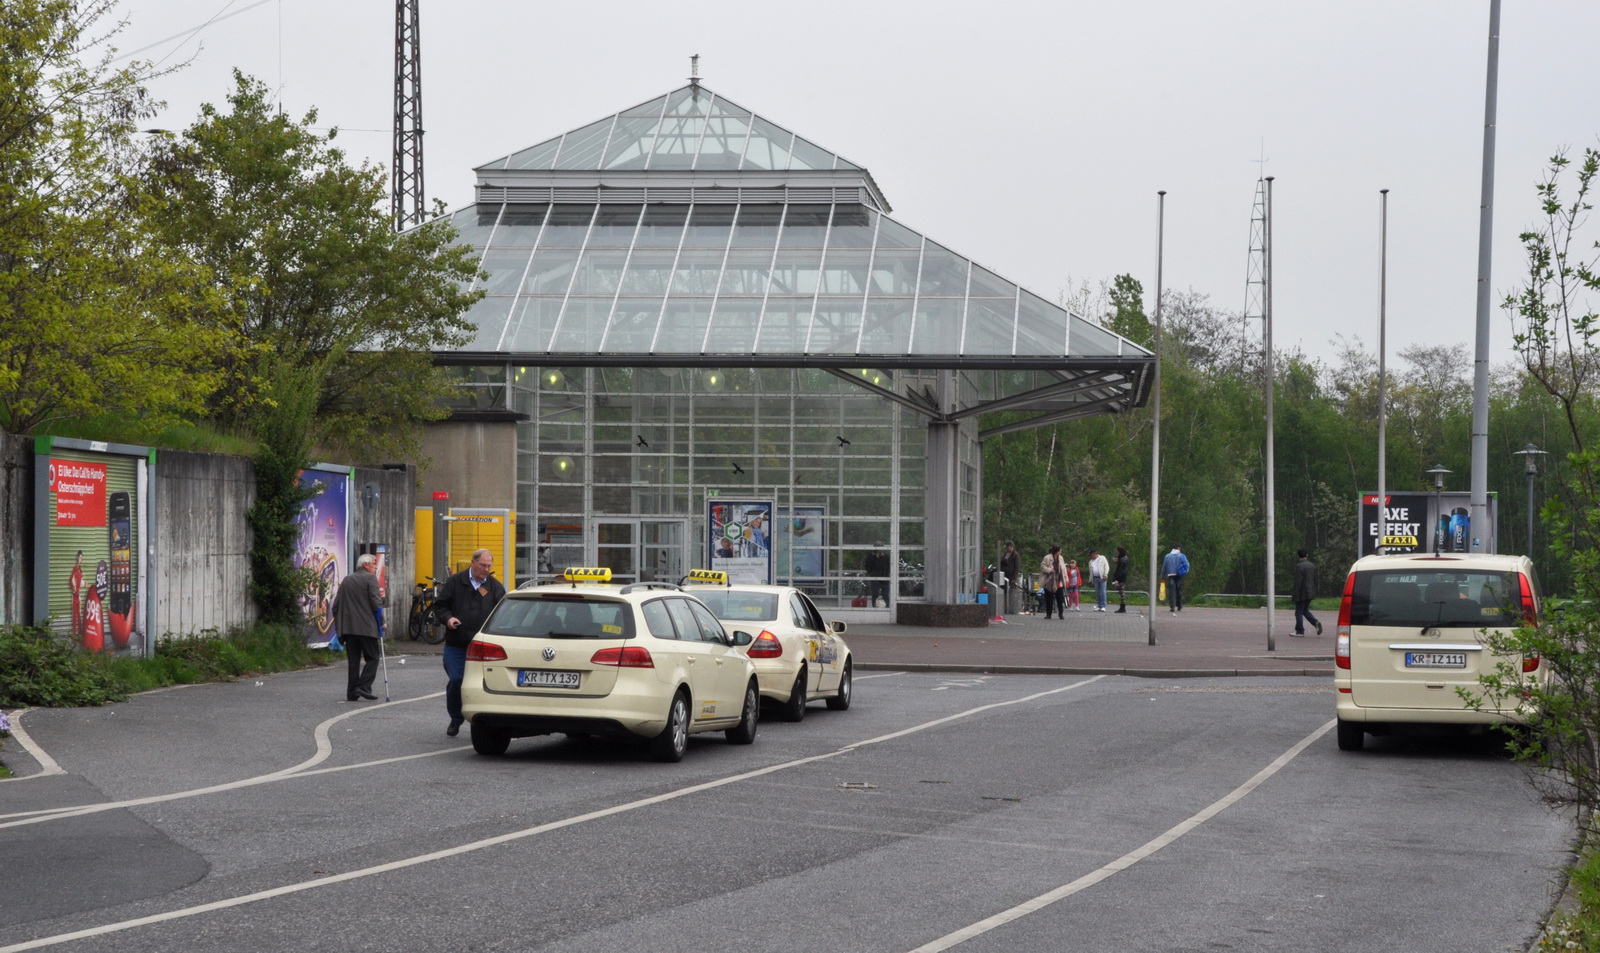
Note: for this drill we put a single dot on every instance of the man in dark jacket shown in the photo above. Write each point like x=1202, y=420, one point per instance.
x=1305, y=587
x=358, y=616
x=464, y=603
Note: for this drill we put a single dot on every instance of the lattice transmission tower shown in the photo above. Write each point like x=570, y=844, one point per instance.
x=1255, y=282
x=406, y=194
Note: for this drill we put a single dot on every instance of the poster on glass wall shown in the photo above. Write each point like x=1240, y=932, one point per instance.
x=740, y=541
x=802, y=543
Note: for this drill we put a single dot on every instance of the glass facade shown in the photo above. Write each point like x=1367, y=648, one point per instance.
x=686, y=302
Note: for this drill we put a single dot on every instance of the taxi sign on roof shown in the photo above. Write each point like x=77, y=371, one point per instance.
x=707, y=575
x=587, y=573
x=1398, y=541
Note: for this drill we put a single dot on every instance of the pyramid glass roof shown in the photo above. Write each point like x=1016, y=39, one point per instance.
x=688, y=129
x=602, y=246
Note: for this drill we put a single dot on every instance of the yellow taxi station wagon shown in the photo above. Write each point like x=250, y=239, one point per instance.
x=1413, y=639
x=799, y=656
x=646, y=661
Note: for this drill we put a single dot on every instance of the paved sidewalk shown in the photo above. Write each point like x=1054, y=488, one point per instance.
x=1194, y=642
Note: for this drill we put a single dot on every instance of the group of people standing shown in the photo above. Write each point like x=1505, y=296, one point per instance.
x=1061, y=580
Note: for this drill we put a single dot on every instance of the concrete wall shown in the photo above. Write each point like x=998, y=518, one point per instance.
x=476, y=463
x=201, y=568
x=387, y=518
x=200, y=542
x=16, y=529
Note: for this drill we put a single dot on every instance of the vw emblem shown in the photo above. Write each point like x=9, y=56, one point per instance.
x=549, y=654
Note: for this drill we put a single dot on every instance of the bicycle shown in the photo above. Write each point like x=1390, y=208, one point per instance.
x=421, y=624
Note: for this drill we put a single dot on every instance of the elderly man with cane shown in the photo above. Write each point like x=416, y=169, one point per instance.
x=358, y=615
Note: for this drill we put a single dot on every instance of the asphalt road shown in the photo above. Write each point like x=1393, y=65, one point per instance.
x=943, y=811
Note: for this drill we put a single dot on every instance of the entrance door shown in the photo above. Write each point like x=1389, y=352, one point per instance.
x=661, y=557
x=617, y=548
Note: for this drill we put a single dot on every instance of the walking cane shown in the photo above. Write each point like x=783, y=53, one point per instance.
x=383, y=657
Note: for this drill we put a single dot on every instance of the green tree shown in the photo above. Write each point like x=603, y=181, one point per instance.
x=92, y=315
x=1127, y=316
x=1556, y=332
x=312, y=275
x=331, y=316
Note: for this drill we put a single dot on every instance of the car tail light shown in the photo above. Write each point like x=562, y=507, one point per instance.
x=624, y=656
x=485, y=652
x=1341, y=647
x=1530, y=663
x=766, y=645
x=1530, y=612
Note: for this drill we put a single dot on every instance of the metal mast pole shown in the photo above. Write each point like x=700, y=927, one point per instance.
x=1383, y=377
x=1155, y=438
x=1272, y=549
x=1479, y=512
x=406, y=196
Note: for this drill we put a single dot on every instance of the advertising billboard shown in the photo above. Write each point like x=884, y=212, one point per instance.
x=1420, y=522
x=91, y=525
x=740, y=540
x=802, y=543
x=323, y=546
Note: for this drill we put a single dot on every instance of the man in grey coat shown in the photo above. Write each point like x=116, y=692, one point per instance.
x=358, y=615
x=1305, y=587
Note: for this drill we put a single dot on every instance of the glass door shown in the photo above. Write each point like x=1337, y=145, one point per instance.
x=662, y=556
x=617, y=548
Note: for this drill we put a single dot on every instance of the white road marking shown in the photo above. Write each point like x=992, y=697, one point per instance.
x=511, y=836
x=1126, y=860
x=303, y=769
x=47, y=764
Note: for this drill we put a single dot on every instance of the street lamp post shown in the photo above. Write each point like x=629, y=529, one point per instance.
x=1438, y=472
x=1530, y=465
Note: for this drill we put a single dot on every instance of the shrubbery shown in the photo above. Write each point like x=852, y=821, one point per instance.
x=39, y=669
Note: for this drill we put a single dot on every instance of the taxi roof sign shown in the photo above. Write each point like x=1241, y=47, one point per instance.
x=587, y=574
x=707, y=575
x=1398, y=541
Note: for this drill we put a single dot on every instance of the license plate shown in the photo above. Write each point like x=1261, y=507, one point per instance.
x=543, y=678
x=1436, y=660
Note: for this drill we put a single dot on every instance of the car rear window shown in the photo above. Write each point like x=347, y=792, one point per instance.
x=1424, y=598
x=731, y=605
x=562, y=617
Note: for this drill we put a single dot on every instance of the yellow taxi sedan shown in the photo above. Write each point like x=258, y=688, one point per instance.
x=799, y=657
x=644, y=661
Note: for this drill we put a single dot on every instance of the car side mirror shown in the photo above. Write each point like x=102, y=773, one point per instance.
x=836, y=627
x=742, y=638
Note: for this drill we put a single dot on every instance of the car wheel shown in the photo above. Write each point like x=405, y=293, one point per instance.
x=490, y=742
x=745, y=731
x=795, y=708
x=1351, y=736
x=841, y=701
x=670, y=745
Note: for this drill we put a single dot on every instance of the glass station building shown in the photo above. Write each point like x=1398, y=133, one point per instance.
x=688, y=307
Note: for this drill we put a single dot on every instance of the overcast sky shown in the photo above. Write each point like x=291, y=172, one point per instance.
x=1030, y=137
